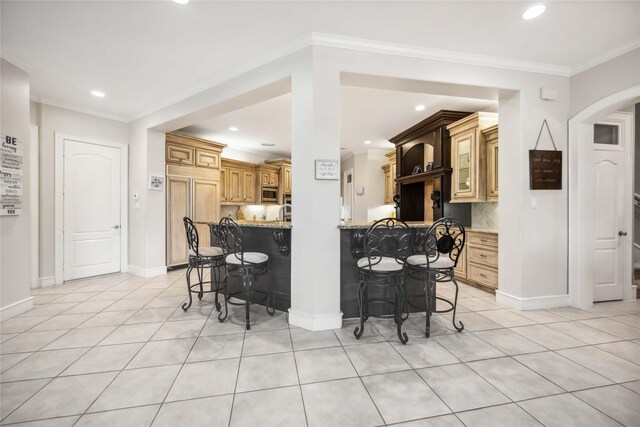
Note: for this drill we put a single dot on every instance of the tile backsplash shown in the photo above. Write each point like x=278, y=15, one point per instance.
x=484, y=215
x=268, y=212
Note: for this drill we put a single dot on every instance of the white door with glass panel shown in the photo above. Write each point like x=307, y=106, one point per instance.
x=91, y=209
x=612, y=206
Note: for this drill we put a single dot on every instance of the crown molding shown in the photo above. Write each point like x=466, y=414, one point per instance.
x=606, y=57
x=458, y=57
x=78, y=109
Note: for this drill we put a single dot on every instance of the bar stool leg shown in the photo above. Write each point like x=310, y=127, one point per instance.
x=399, y=298
x=271, y=310
x=455, y=306
x=428, y=291
x=215, y=277
x=225, y=297
x=246, y=281
x=199, y=270
x=186, y=306
x=361, y=307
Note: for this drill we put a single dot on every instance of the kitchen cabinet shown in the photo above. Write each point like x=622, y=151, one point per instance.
x=237, y=182
x=285, y=178
x=469, y=157
x=267, y=184
x=478, y=264
x=286, y=181
x=389, y=171
x=491, y=138
x=193, y=188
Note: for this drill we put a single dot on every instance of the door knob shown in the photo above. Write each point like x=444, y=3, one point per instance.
x=116, y=226
x=622, y=233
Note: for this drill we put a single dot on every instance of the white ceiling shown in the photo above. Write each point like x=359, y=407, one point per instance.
x=144, y=54
x=365, y=114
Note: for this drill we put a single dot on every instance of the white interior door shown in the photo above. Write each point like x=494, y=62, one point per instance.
x=92, y=223
x=612, y=207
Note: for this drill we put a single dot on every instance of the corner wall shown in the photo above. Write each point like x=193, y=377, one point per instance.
x=15, y=230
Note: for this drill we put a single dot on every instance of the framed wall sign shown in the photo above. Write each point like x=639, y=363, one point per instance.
x=327, y=169
x=545, y=166
x=11, y=163
x=156, y=182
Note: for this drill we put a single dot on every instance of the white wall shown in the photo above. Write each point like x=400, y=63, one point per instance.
x=367, y=173
x=249, y=156
x=50, y=120
x=15, y=230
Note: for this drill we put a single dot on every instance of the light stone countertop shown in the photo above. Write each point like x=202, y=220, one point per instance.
x=257, y=224
x=351, y=225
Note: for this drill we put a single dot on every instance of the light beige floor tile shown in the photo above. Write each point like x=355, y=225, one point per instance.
x=147, y=294
x=506, y=318
x=159, y=353
x=160, y=302
x=75, y=297
x=81, y=337
x=141, y=416
x=403, y=396
x=89, y=307
x=606, y=364
x=16, y=393
x=131, y=333
x=565, y=410
x=370, y=334
x=630, y=319
x=267, y=342
x=547, y=337
x=109, y=296
x=424, y=353
x=62, y=321
x=467, y=347
x=283, y=407
x=194, y=313
x=441, y=421
x=388, y=329
x=151, y=315
x=323, y=364
x=266, y=371
x=476, y=304
x=562, y=371
x=214, y=327
x=209, y=412
x=503, y=415
x=509, y=342
x=461, y=388
x=633, y=385
x=62, y=396
x=307, y=340
x=614, y=328
x=137, y=387
x=104, y=358
x=204, y=379
x=476, y=322
x=21, y=324
x=9, y=360
x=616, y=401
x=625, y=349
x=216, y=347
x=50, y=309
x=339, y=403
x=583, y=333
x=107, y=318
x=179, y=329
x=571, y=313
x=540, y=316
x=375, y=358
x=43, y=364
x=514, y=379
x=127, y=305
x=30, y=341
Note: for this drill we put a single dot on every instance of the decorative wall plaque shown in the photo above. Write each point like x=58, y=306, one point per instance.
x=327, y=169
x=545, y=166
x=11, y=160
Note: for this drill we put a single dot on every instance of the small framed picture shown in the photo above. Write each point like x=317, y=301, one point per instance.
x=156, y=183
x=327, y=169
x=428, y=167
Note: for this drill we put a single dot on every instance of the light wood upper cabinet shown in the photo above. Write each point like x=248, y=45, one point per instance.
x=224, y=185
x=469, y=157
x=235, y=185
x=286, y=170
x=248, y=187
x=491, y=138
x=180, y=154
x=207, y=159
x=389, y=171
x=205, y=207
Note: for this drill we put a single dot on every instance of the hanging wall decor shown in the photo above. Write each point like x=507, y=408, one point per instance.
x=545, y=166
x=11, y=160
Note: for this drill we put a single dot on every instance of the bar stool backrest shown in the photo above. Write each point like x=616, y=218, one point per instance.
x=388, y=237
x=192, y=234
x=231, y=238
x=445, y=238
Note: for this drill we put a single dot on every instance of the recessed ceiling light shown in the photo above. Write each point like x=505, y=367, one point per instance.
x=420, y=107
x=534, y=11
x=233, y=129
x=181, y=1
x=367, y=142
x=266, y=144
x=97, y=93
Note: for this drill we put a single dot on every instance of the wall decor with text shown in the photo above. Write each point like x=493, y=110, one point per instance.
x=545, y=166
x=11, y=161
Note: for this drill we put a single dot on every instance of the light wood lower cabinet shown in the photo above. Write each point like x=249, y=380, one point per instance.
x=178, y=206
x=205, y=207
x=478, y=263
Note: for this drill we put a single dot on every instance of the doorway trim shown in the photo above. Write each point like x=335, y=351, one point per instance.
x=59, y=200
x=581, y=217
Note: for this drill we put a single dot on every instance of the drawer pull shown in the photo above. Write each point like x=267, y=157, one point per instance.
x=482, y=255
x=483, y=275
x=484, y=240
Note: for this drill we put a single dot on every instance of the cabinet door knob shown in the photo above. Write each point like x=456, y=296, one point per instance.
x=622, y=233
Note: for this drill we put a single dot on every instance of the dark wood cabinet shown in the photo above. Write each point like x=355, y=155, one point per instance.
x=425, y=195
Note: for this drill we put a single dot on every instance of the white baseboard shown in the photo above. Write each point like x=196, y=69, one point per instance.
x=16, y=308
x=45, y=282
x=318, y=322
x=150, y=272
x=532, y=303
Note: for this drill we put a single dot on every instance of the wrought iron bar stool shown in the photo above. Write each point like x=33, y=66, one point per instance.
x=201, y=258
x=248, y=266
x=442, y=246
x=387, y=244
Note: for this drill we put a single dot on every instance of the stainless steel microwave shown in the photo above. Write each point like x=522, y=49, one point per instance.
x=269, y=194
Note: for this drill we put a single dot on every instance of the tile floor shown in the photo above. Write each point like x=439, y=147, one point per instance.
x=118, y=351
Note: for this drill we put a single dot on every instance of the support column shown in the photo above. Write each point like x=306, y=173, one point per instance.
x=315, y=238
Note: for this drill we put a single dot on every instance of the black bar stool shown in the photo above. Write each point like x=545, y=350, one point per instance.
x=248, y=266
x=443, y=244
x=199, y=258
x=387, y=244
